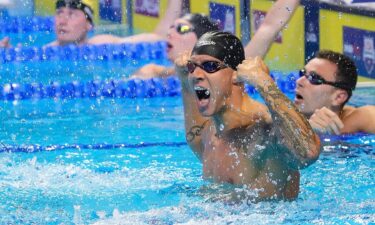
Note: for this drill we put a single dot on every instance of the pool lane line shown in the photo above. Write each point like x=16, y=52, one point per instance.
x=101, y=146
x=30, y=148
x=117, y=88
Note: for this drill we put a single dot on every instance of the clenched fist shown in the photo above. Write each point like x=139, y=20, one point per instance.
x=253, y=71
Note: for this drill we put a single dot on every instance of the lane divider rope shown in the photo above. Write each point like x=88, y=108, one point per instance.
x=113, y=88
x=102, y=146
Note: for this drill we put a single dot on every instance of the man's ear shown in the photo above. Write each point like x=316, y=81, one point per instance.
x=340, y=97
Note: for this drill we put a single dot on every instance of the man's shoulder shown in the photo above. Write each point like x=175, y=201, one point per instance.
x=358, y=112
x=360, y=119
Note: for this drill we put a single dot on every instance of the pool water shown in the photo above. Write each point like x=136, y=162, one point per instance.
x=125, y=161
x=67, y=71
x=159, y=183
x=41, y=38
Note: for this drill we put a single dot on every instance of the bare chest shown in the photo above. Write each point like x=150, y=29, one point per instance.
x=236, y=161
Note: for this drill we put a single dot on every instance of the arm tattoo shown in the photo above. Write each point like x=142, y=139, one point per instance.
x=195, y=131
x=292, y=125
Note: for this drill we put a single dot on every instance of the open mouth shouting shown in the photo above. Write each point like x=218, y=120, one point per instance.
x=298, y=99
x=203, y=97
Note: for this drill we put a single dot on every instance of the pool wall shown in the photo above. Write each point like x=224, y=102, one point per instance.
x=315, y=25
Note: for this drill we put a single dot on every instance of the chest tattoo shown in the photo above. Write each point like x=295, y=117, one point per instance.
x=195, y=131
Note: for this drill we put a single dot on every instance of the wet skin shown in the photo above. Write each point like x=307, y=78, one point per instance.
x=71, y=26
x=236, y=139
x=179, y=43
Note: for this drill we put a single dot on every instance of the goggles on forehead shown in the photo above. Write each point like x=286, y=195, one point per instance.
x=183, y=28
x=77, y=4
x=316, y=79
x=208, y=66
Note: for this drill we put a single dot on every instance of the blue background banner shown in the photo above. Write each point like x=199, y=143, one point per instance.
x=360, y=46
x=110, y=10
x=225, y=14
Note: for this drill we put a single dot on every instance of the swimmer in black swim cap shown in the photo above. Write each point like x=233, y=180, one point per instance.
x=222, y=45
x=239, y=140
x=181, y=37
x=215, y=58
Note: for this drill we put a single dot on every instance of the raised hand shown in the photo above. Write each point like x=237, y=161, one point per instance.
x=253, y=71
x=180, y=63
x=325, y=121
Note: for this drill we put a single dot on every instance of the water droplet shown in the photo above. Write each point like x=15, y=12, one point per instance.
x=221, y=127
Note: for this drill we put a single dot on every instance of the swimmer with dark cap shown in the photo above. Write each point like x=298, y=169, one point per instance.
x=240, y=141
x=181, y=37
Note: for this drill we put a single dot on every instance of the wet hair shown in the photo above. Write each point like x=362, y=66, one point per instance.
x=201, y=23
x=346, y=70
x=222, y=45
x=77, y=4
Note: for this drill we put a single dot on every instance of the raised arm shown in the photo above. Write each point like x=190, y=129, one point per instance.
x=194, y=121
x=173, y=12
x=292, y=129
x=277, y=17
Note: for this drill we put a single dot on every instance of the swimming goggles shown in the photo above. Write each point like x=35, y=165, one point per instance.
x=77, y=4
x=183, y=28
x=316, y=79
x=208, y=66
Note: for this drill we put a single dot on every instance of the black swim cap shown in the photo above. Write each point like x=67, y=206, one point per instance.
x=77, y=4
x=201, y=23
x=221, y=45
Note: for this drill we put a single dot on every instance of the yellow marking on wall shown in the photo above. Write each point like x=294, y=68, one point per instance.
x=288, y=55
x=146, y=23
x=365, y=79
x=124, y=12
x=331, y=30
x=331, y=27
x=203, y=7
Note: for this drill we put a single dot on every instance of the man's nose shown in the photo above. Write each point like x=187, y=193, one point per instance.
x=301, y=81
x=197, y=75
x=62, y=19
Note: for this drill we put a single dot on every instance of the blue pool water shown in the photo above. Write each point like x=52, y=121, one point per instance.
x=160, y=184
x=125, y=161
x=45, y=35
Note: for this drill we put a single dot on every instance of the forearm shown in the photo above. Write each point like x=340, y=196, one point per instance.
x=173, y=12
x=292, y=128
x=276, y=19
x=280, y=13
